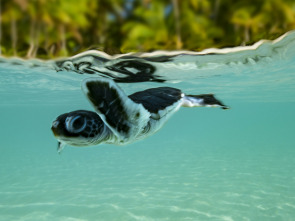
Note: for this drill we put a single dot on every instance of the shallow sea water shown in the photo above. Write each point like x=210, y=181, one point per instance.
x=204, y=164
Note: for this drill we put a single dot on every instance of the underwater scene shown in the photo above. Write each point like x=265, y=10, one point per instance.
x=203, y=164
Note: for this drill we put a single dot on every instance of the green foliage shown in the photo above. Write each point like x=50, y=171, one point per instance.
x=147, y=32
x=50, y=28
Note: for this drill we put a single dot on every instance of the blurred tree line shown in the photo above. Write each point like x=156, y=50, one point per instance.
x=50, y=28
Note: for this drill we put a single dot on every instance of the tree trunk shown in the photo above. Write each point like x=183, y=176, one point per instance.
x=177, y=24
x=63, y=40
x=13, y=35
x=32, y=36
x=246, y=34
x=216, y=10
x=36, y=39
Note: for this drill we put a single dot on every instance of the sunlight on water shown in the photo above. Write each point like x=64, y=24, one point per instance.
x=205, y=164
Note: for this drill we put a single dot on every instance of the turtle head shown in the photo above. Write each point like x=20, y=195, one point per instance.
x=78, y=128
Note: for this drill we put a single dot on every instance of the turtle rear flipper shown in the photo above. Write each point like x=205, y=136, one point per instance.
x=202, y=100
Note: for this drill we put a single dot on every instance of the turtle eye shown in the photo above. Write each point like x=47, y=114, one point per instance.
x=75, y=124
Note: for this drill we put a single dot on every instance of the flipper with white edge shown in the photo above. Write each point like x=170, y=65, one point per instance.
x=123, y=116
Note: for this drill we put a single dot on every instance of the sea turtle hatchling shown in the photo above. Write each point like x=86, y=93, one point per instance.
x=120, y=119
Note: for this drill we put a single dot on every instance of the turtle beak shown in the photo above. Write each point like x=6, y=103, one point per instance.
x=54, y=127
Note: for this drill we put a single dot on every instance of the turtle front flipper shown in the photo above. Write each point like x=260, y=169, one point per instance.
x=60, y=146
x=124, y=117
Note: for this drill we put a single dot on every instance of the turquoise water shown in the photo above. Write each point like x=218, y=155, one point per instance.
x=204, y=164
